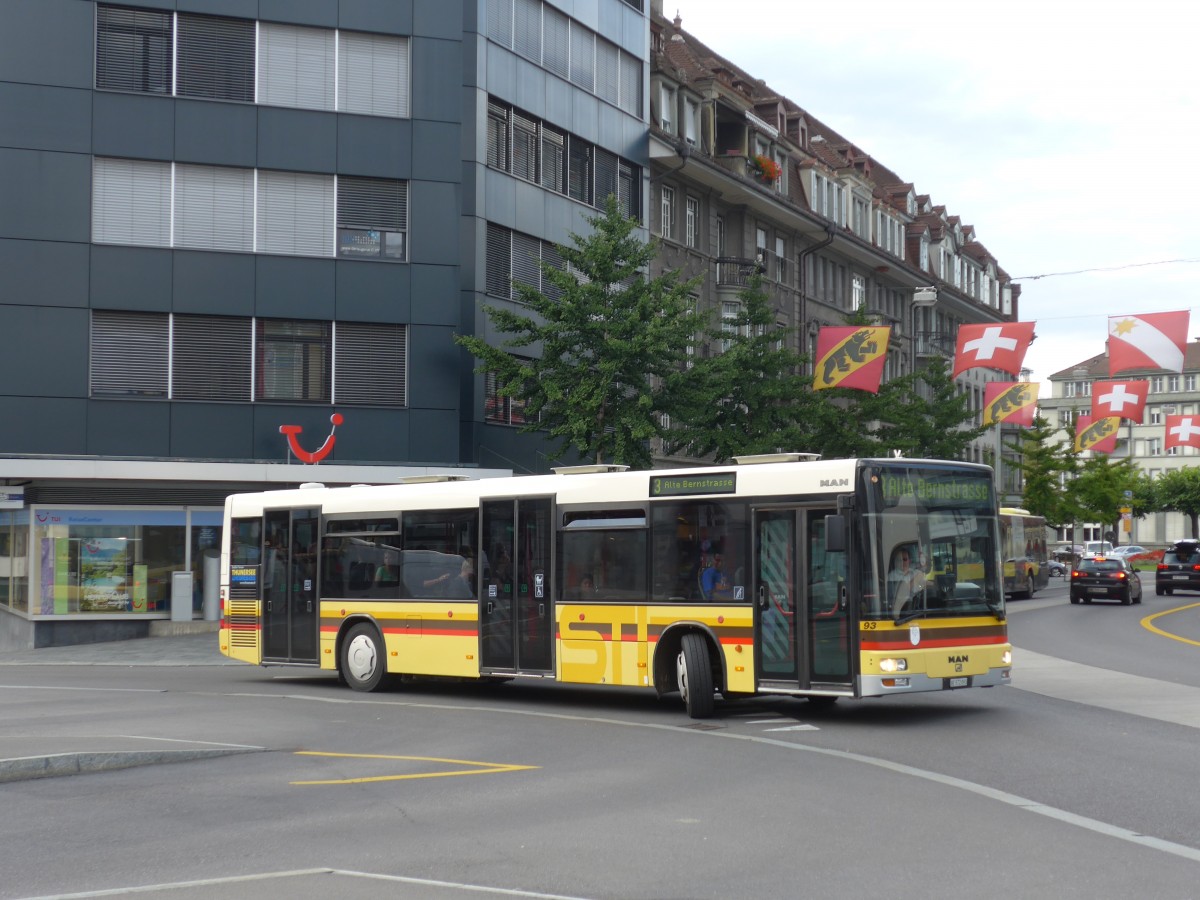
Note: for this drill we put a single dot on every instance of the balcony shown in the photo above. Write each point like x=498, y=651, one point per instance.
x=736, y=272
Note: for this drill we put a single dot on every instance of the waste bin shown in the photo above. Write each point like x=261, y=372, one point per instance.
x=181, y=596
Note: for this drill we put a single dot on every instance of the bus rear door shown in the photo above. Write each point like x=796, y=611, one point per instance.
x=516, y=610
x=289, y=586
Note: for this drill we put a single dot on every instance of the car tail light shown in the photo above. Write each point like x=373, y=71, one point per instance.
x=1118, y=575
x=1162, y=567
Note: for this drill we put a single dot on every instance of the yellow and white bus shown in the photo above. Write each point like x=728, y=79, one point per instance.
x=1023, y=550
x=769, y=576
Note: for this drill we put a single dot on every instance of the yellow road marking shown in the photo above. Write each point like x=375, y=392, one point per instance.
x=1147, y=623
x=479, y=768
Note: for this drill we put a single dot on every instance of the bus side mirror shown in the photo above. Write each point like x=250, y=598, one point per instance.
x=835, y=534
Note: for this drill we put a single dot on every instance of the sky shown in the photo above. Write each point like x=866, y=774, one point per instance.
x=1065, y=131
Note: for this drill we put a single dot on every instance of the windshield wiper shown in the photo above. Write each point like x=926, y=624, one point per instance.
x=910, y=615
x=995, y=610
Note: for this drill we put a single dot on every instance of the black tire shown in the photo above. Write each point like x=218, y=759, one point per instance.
x=1170, y=591
x=693, y=674
x=1158, y=591
x=1128, y=598
x=1074, y=599
x=363, y=661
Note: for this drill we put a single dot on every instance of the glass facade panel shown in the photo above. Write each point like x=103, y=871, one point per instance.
x=119, y=561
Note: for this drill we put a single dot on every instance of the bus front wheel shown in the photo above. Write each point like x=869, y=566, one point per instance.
x=363, y=658
x=693, y=672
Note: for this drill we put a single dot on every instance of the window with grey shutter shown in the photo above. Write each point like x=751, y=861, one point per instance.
x=296, y=66
x=579, y=172
x=131, y=202
x=372, y=74
x=293, y=360
x=500, y=22
x=526, y=262
x=215, y=58
x=133, y=50
x=210, y=358
x=606, y=176
x=631, y=84
x=552, y=258
x=527, y=29
x=371, y=364
x=498, y=281
x=608, y=71
x=372, y=218
x=554, y=160
x=629, y=190
x=129, y=353
x=214, y=208
x=295, y=214
x=524, y=147
x=583, y=56
x=556, y=42
x=497, y=136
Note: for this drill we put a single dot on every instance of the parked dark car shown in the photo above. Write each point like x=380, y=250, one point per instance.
x=1179, y=569
x=1105, y=578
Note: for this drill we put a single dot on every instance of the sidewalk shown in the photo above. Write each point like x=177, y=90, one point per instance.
x=198, y=649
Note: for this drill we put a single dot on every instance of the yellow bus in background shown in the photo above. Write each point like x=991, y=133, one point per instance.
x=769, y=576
x=1023, y=550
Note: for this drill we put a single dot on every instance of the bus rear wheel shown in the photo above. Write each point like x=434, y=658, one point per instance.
x=363, y=661
x=693, y=673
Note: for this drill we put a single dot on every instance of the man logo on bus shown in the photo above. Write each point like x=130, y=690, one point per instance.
x=293, y=432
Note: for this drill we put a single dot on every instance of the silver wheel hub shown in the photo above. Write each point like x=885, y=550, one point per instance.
x=681, y=674
x=361, y=659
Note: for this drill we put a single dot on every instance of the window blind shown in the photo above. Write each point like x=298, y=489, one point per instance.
x=371, y=363
x=295, y=213
x=215, y=58
x=372, y=74
x=129, y=353
x=556, y=42
x=296, y=66
x=214, y=208
x=131, y=202
x=211, y=358
x=527, y=29
x=133, y=50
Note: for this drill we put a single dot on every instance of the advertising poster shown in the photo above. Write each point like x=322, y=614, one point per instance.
x=104, y=575
x=62, y=576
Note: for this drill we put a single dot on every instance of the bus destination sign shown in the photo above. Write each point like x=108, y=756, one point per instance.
x=688, y=485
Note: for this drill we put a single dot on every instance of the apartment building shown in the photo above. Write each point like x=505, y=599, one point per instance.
x=744, y=179
x=1171, y=393
x=239, y=235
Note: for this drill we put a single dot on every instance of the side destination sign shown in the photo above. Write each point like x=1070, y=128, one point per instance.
x=243, y=574
x=685, y=485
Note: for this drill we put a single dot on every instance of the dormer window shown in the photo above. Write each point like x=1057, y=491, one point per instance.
x=666, y=109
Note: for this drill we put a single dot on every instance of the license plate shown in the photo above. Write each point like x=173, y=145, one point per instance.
x=1180, y=577
x=958, y=682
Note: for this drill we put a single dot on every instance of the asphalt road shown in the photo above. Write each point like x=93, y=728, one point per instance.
x=1077, y=784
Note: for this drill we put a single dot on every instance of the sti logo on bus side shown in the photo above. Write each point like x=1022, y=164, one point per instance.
x=835, y=482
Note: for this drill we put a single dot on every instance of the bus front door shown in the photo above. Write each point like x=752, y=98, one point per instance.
x=516, y=613
x=801, y=617
x=289, y=586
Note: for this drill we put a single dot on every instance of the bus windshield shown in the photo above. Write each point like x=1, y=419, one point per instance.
x=929, y=543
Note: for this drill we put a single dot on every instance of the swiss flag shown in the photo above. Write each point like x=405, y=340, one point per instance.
x=1124, y=399
x=1183, y=431
x=1147, y=341
x=1096, y=434
x=992, y=347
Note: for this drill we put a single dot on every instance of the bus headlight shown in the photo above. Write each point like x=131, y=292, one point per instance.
x=893, y=665
x=1006, y=658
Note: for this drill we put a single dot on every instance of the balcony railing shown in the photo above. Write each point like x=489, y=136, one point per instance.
x=736, y=272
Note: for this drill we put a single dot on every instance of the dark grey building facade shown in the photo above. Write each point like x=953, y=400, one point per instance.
x=239, y=234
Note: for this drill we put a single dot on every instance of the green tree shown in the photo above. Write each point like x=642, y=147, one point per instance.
x=1043, y=464
x=923, y=414
x=609, y=345
x=1099, y=489
x=1179, y=490
x=752, y=397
